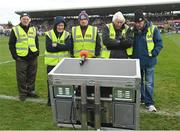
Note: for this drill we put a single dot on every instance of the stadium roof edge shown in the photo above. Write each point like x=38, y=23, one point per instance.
x=105, y=9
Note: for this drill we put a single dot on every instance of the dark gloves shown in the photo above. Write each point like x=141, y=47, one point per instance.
x=118, y=41
x=72, y=56
x=18, y=59
x=124, y=44
x=15, y=57
x=154, y=53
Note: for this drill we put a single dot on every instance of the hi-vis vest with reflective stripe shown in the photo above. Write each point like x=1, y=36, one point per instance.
x=149, y=39
x=25, y=41
x=112, y=35
x=105, y=53
x=53, y=58
x=87, y=43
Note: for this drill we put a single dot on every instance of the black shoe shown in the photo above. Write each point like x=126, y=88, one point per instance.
x=48, y=103
x=33, y=95
x=22, y=98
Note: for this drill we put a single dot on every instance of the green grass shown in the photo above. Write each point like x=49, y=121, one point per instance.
x=8, y=75
x=17, y=115
x=151, y=121
x=167, y=77
x=25, y=115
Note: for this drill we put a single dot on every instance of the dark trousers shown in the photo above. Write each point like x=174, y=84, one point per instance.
x=49, y=68
x=26, y=75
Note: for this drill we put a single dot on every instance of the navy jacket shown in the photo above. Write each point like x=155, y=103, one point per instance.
x=140, y=47
x=59, y=47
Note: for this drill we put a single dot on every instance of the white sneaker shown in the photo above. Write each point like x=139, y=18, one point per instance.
x=152, y=108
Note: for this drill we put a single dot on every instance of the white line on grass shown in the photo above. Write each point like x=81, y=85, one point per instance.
x=161, y=112
x=5, y=62
x=43, y=101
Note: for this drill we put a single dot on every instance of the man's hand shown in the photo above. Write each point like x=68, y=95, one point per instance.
x=54, y=44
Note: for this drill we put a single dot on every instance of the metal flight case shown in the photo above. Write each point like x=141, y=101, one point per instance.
x=100, y=93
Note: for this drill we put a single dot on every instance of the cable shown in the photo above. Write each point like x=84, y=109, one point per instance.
x=73, y=109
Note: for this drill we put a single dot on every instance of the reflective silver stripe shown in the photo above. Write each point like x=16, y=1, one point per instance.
x=108, y=25
x=31, y=37
x=64, y=55
x=149, y=41
x=76, y=51
x=34, y=30
x=20, y=48
x=90, y=40
x=56, y=56
x=51, y=56
x=50, y=34
x=105, y=50
x=66, y=35
x=31, y=45
x=22, y=39
x=17, y=31
x=74, y=38
x=93, y=33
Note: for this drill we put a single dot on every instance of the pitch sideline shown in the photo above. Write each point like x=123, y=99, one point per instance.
x=44, y=101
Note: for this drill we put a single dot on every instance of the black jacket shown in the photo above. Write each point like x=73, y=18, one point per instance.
x=12, y=46
x=59, y=47
x=118, y=45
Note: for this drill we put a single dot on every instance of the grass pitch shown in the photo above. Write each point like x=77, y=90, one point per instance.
x=27, y=115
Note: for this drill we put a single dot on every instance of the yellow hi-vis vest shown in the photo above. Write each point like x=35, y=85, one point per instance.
x=53, y=58
x=105, y=53
x=149, y=39
x=112, y=35
x=87, y=43
x=25, y=41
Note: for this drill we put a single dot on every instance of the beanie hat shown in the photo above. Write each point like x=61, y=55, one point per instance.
x=138, y=17
x=59, y=19
x=83, y=15
x=24, y=14
x=118, y=15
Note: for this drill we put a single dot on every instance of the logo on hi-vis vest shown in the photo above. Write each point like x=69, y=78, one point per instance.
x=31, y=33
x=23, y=35
x=61, y=41
x=88, y=35
x=78, y=36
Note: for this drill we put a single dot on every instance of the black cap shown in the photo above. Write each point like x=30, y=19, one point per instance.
x=138, y=17
x=24, y=14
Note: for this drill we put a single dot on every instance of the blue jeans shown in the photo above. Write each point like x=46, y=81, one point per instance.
x=147, y=86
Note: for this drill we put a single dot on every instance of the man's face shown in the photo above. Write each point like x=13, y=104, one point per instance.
x=25, y=20
x=60, y=27
x=83, y=22
x=118, y=23
x=139, y=25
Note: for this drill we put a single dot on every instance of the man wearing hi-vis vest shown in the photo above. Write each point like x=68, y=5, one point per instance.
x=117, y=38
x=58, y=45
x=146, y=47
x=24, y=48
x=85, y=37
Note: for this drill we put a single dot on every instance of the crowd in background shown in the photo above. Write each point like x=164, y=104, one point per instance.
x=165, y=24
